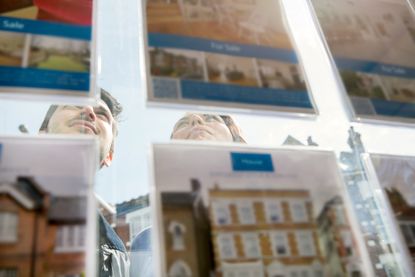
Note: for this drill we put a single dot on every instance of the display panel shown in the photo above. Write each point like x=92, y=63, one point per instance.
x=373, y=46
x=229, y=53
x=47, y=209
x=253, y=211
x=395, y=175
x=46, y=47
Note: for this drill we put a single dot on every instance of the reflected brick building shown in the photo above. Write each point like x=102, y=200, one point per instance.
x=40, y=235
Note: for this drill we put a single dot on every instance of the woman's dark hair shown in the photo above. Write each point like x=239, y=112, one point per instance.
x=233, y=128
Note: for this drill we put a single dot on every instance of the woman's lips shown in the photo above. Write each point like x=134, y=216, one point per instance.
x=198, y=132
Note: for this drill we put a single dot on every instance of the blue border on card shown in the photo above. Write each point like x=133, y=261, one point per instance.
x=41, y=78
x=198, y=90
x=39, y=27
x=372, y=67
x=393, y=108
x=221, y=47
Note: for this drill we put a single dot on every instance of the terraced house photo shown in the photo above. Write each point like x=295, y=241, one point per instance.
x=11, y=48
x=61, y=54
x=256, y=22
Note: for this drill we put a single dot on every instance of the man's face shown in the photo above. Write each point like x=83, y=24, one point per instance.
x=89, y=120
x=202, y=127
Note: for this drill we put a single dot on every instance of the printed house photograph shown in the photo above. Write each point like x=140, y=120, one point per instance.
x=399, y=89
x=396, y=176
x=54, y=53
x=11, y=48
x=280, y=75
x=42, y=233
x=231, y=70
x=371, y=30
x=363, y=84
x=255, y=22
x=183, y=64
x=216, y=221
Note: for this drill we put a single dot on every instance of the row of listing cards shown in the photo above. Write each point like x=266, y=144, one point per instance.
x=232, y=54
x=239, y=211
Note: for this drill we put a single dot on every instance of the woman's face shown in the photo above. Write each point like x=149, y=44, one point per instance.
x=201, y=127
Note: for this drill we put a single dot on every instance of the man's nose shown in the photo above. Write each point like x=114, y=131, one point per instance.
x=196, y=119
x=89, y=113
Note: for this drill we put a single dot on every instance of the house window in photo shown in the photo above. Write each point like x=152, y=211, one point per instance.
x=305, y=243
x=246, y=213
x=340, y=215
x=280, y=246
x=8, y=272
x=177, y=231
x=298, y=211
x=221, y=213
x=180, y=269
x=347, y=242
x=251, y=245
x=226, y=246
x=273, y=211
x=70, y=238
x=8, y=227
x=408, y=230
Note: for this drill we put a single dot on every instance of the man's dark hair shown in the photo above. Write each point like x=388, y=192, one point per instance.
x=112, y=103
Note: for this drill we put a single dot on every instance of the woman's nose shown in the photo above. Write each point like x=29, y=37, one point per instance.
x=196, y=119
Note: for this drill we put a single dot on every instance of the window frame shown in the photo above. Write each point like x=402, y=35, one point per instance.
x=299, y=237
x=62, y=236
x=9, y=227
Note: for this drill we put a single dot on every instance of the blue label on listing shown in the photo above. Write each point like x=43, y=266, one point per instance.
x=216, y=46
x=42, y=78
x=251, y=162
x=198, y=90
x=373, y=67
x=40, y=27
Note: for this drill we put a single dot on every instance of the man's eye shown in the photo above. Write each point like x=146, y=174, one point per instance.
x=104, y=116
x=70, y=107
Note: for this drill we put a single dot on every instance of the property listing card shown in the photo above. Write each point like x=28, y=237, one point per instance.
x=227, y=53
x=47, y=214
x=45, y=47
x=243, y=211
x=396, y=176
x=373, y=46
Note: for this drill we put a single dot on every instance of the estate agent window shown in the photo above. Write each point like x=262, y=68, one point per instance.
x=8, y=228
